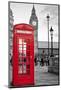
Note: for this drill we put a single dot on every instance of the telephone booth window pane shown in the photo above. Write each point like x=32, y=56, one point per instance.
x=24, y=53
x=20, y=41
x=20, y=53
x=24, y=60
x=20, y=49
x=24, y=68
x=20, y=69
x=20, y=45
x=24, y=41
x=20, y=60
x=24, y=46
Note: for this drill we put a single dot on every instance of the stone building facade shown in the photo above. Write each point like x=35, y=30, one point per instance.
x=11, y=21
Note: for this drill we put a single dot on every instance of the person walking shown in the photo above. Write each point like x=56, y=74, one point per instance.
x=42, y=62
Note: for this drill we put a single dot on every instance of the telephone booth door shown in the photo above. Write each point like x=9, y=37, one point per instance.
x=23, y=58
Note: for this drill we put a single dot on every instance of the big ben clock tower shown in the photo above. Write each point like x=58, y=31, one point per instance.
x=34, y=22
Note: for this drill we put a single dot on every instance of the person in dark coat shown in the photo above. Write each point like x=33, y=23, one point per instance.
x=42, y=62
x=35, y=59
x=11, y=60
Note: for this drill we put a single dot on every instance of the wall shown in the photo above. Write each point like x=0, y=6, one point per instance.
x=40, y=50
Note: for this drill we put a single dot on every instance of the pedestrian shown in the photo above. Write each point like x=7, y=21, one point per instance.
x=35, y=59
x=42, y=62
x=11, y=60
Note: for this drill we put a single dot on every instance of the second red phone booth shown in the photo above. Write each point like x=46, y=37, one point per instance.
x=23, y=55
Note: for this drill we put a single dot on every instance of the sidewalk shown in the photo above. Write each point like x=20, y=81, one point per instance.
x=43, y=77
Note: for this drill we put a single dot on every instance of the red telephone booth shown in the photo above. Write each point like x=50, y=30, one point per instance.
x=23, y=55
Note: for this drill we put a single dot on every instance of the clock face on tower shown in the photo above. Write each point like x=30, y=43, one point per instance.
x=34, y=23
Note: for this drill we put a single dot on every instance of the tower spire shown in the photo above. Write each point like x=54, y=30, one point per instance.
x=33, y=9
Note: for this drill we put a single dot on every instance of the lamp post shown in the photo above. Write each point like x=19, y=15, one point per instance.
x=51, y=32
x=48, y=35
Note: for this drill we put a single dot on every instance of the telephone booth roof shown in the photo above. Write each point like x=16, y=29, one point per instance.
x=23, y=26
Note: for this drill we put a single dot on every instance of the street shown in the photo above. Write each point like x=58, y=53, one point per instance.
x=43, y=77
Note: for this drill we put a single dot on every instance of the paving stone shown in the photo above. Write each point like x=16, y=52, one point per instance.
x=43, y=77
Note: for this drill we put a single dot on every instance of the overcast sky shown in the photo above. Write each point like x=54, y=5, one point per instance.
x=22, y=13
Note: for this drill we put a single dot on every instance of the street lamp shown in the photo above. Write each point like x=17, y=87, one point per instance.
x=51, y=32
x=48, y=35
